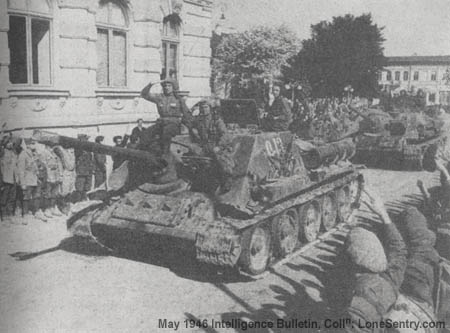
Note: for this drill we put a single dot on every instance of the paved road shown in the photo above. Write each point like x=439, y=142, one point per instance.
x=68, y=291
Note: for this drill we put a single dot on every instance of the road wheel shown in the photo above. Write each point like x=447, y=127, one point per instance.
x=285, y=232
x=309, y=217
x=255, y=250
x=344, y=204
x=329, y=211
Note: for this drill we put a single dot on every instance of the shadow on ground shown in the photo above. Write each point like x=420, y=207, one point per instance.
x=180, y=260
x=327, y=275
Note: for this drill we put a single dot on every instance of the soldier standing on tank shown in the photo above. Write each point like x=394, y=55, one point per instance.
x=84, y=168
x=172, y=113
x=279, y=115
x=99, y=165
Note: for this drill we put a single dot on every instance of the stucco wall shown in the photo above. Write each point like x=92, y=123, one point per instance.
x=74, y=102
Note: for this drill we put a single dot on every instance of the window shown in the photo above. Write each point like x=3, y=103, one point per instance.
x=433, y=76
x=389, y=76
x=170, y=45
x=432, y=98
x=416, y=76
x=397, y=76
x=405, y=76
x=29, y=42
x=111, y=45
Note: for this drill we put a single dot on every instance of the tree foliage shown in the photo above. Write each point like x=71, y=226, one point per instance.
x=346, y=51
x=256, y=53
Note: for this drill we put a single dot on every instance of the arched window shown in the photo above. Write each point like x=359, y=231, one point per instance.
x=29, y=42
x=170, y=46
x=112, y=25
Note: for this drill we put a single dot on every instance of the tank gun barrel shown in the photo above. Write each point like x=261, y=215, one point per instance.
x=53, y=139
x=329, y=153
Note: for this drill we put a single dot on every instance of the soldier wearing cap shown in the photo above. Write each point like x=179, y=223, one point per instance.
x=172, y=113
x=209, y=130
x=84, y=168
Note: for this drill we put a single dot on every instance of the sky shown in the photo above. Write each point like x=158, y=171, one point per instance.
x=419, y=27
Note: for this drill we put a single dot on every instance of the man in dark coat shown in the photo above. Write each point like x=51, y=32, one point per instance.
x=137, y=132
x=84, y=168
x=279, y=115
x=172, y=111
x=99, y=165
x=377, y=285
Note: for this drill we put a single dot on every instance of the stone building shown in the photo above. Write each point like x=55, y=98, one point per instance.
x=418, y=72
x=77, y=66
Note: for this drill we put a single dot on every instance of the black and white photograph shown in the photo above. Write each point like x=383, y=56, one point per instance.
x=225, y=166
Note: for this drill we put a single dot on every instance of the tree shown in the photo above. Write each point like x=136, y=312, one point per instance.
x=346, y=51
x=240, y=59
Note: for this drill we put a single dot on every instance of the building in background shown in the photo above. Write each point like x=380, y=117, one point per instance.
x=418, y=72
x=79, y=65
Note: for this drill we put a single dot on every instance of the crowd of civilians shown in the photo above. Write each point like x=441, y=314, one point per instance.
x=43, y=181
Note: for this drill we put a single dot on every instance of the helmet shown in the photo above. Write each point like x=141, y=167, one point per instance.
x=366, y=250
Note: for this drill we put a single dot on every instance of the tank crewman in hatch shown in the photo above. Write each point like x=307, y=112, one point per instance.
x=207, y=128
x=210, y=131
x=172, y=113
x=279, y=115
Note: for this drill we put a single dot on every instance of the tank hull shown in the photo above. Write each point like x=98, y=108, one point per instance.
x=254, y=200
x=394, y=153
x=212, y=239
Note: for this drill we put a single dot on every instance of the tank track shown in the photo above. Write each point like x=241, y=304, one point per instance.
x=221, y=245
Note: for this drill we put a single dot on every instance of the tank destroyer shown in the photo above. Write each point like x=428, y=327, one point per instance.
x=396, y=140
x=283, y=193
